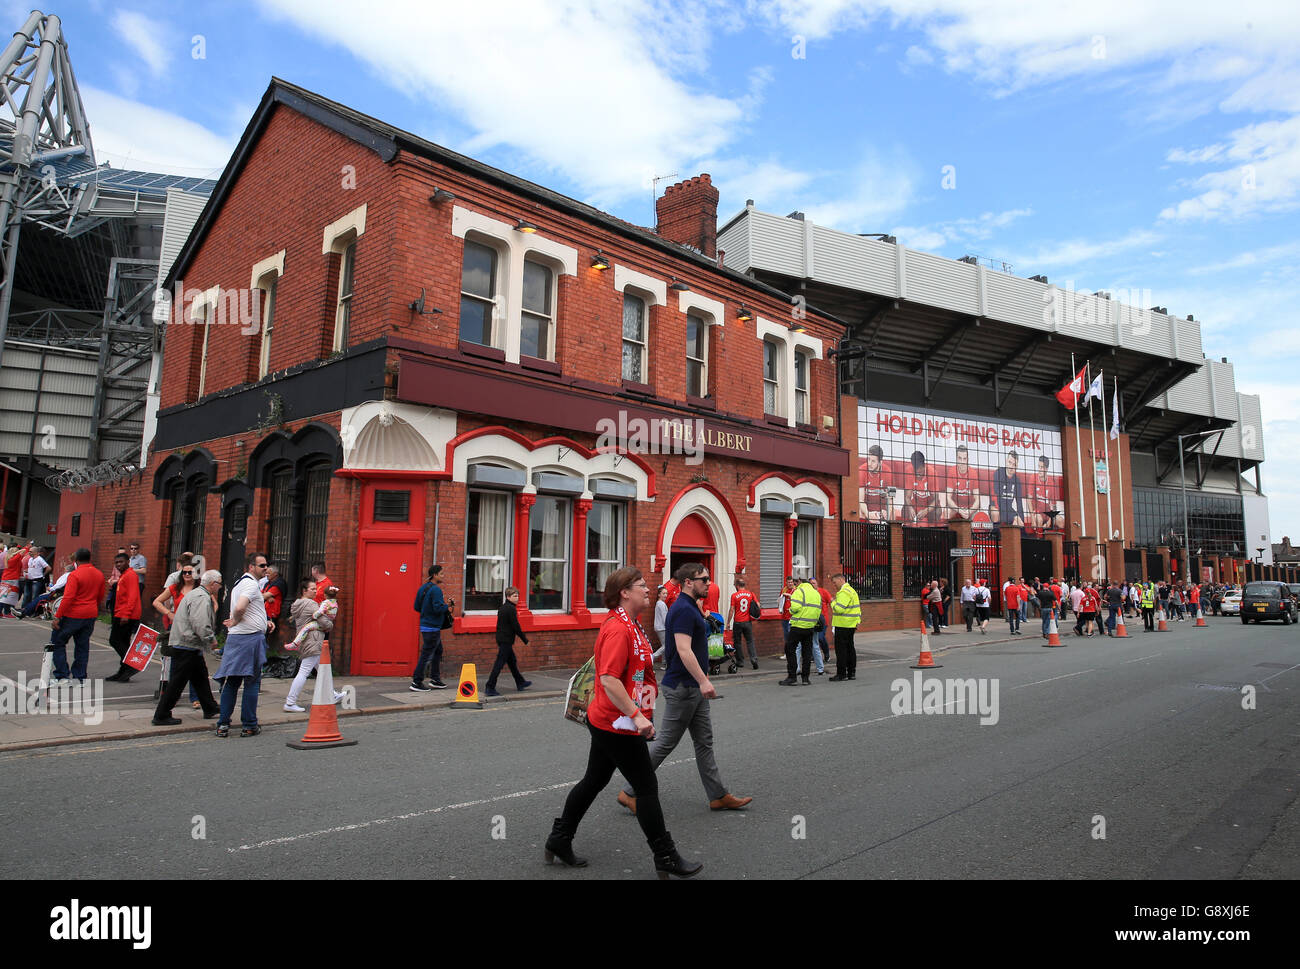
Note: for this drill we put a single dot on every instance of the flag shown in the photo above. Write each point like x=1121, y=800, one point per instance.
x=1070, y=393
x=1095, y=390
x=1114, y=418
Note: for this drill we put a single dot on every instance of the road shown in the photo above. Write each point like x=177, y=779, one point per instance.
x=1147, y=740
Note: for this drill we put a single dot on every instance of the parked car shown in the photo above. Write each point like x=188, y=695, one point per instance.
x=1267, y=600
x=1231, y=605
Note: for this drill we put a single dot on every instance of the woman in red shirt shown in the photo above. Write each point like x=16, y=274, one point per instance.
x=618, y=719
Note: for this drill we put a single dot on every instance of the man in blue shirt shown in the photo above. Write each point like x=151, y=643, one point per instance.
x=686, y=689
x=433, y=609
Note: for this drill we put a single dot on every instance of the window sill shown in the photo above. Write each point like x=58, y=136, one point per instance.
x=775, y=420
x=478, y=350
x=632, y=387
x=805, y=428
x=705, y=403
x=537, y=363
x=530, y=622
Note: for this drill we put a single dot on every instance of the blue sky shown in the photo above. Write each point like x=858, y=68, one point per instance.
x=1121, y=145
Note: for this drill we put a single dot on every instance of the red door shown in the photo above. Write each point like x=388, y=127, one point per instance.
x=390, y=570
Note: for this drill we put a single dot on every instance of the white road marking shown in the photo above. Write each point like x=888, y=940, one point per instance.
x=1063, y=676
x=1141, y=658
x=847, y=726
x=420, y=814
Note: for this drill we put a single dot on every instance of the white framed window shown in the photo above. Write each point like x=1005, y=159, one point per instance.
x=697, y=356
x=479, y=278
x=343, y=311
x=804, y=549
x=537, y=320
x=772, y=398
x=800, y=388
x=265, y=279
x=634, y=339
x=606, y=547
x=487, y=549
x=549, y=532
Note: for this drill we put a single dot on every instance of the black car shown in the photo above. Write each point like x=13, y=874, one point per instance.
x=1267, y=600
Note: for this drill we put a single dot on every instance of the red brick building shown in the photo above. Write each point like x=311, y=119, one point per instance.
x=386, y=354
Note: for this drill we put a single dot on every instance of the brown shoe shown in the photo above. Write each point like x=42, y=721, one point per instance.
x=729, y=802
x=627, y=802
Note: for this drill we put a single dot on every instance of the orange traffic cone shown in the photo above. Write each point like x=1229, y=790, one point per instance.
x=1053, y=633
x=926, y=660
x=1120, y=631
x=1161, y=625
x=323, y=723
x=467, y=692
x=1200, y=617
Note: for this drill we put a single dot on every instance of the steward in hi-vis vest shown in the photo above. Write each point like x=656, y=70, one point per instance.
x=846, y=613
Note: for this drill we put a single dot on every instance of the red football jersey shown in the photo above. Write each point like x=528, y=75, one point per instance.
x=875, y=491
x=1043, y=494
x=921, y=495
x=963, y=487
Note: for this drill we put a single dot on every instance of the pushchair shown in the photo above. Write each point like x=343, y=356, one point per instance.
x=720, y=651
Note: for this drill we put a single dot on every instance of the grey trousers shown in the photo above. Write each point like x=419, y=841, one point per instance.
x=685, y=709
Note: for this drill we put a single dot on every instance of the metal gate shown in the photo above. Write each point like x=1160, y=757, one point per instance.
x=986, y=564
x=1155, y=567
x=864, y=547
x=1132, y=565
x=1071, y=555
x=1035, y=557
x=925, y=558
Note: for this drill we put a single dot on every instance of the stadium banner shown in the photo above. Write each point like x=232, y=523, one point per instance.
x=930, y=467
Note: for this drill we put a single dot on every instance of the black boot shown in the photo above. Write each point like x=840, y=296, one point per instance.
x=560, y=845
x=669, y=862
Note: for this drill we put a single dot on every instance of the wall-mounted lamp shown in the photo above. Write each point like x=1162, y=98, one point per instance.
x=798, y=327
x=744, y=314
x=523, y=225
x=417, y=306
x=600, y=260
x=441, y=195
x=680, y=286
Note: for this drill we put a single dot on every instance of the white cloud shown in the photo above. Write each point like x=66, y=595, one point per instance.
x=592, y=90
x=1254, y=257
x=1264, y=177
x=146, y=37
x=129, y=134
x=958, y=231
x=1074, y=253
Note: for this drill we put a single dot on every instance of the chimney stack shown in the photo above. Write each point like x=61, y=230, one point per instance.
x=687, y=214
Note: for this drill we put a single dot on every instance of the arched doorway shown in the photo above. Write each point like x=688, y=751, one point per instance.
x=692, y=542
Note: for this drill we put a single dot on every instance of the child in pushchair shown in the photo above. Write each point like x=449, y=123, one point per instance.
x=720, y=651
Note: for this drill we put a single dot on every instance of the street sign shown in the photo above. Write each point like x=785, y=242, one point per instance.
x=961, y=553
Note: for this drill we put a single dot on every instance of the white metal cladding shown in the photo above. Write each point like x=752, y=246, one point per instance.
x=1225, y=389
x=1252, y=427
x=1191, y=395
x=183, y=210
x=941, y=282
x=1020, y=299
x=839, y=258
x=863, y=264
x=776, y=244
x=735, y=244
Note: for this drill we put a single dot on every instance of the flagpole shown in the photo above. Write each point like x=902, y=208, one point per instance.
x=1123, y=534
x=1110, y=481
x=1092, y=461
x=1078, y=457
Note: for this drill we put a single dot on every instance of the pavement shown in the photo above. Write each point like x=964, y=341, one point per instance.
x=127, y=709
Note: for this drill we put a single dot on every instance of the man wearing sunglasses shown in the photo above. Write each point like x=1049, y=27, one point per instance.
x=686, y=690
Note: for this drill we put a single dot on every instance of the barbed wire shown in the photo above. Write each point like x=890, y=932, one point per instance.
x=77, y=479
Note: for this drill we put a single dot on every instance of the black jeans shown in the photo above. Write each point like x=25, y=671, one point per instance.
x=119, y=638
x=743, y=630
x=505, y=657
x=430, y=653
x=1149, y=618
x=799, y=636
x=846, y=655
x=630, y=753
x=188, y=668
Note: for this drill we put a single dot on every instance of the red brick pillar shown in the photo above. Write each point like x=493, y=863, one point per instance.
x=1115, y=559
x=965, y=566
x=578, y=561
x=523, y=509
x=1163, y=552
x=1009, y=560
x=907, y=614
x=1088, y=567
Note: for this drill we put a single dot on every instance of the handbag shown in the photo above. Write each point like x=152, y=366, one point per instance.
x=581, y=687
x=447, y=620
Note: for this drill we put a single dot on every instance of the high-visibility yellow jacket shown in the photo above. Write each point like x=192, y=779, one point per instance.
x=1148, y=598
x=846, y=608
x=805, y=606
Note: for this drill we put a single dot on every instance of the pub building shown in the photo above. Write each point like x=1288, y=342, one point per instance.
x=382, y=354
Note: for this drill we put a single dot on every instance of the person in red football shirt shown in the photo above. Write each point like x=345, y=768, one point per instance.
x=963, y=486
x=740, y=617
x=920, y=502
x=126, y=617
x=1011, y=599
x=875, y=488
x=787, y=594
x=1042, y=496
x=78, y=611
